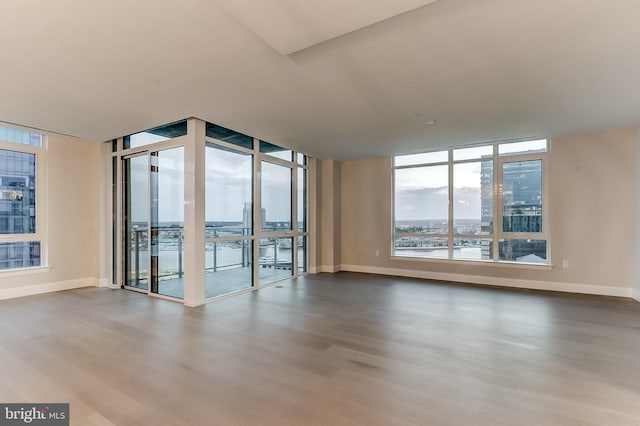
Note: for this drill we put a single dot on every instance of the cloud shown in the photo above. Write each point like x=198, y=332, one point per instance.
x=433, y=203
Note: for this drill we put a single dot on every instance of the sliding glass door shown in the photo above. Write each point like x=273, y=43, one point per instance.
x=136, y=221
x=154, y=222
x=167, y=222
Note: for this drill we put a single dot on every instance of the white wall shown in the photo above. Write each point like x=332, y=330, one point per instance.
x=636, y=228
x=73, y=181
x=592, y=214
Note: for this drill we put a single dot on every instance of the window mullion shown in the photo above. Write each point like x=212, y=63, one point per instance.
x=450, y=221
x=497, y=203
x=257, y=211
x=293, y=213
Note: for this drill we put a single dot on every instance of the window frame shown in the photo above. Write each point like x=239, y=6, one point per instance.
x=497, y=234
x=41, y=236
x=258, y=233
x=220, y=137
x=498, y=203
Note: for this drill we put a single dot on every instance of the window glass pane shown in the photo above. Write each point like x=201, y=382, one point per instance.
x=275, y=151
x=424, y=158
x=472, y=249
x=167, y=222
x=526, y=147
x=17, y=192
x=136, y=221
x=302, y=254
x=473, y=198
x=301, y=159
x=437, y=248
x=302, y=199
x=276, y=197
x=275, y=259
x=228, y=135
x=228, y=192
x=524, y=251
x=422, y=200
x=157, y=134
x=114, y=145
x=23, y=137
x=228, y=267
x=522, y=196
x=472, y=153
x=19, y=255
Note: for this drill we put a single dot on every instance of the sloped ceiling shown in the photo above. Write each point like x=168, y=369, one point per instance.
x=293, y=25
x=361, y=85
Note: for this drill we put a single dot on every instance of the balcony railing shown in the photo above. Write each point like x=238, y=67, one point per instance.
x=167, y=247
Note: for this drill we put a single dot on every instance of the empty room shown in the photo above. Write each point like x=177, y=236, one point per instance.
x=410, y=212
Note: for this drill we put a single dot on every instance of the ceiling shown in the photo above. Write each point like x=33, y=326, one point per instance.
x=339, y=79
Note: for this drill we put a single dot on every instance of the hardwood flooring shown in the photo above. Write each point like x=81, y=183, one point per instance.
x=327, y=349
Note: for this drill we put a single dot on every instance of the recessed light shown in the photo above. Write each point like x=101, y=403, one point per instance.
x=431, y=123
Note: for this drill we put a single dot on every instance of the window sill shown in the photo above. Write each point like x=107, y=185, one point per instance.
x=24, y=271
x=481, y=263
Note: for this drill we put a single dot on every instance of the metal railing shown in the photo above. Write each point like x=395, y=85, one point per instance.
x=171, y=239
x=139, y=243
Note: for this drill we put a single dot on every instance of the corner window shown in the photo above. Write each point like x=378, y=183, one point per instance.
x=20, y=231
x=484, y=203
x=157, y=134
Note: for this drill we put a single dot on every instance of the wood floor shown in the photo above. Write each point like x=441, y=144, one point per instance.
x=327, y=349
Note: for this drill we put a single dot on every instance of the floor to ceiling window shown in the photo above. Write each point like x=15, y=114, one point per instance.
x=254, y=207
x=228, y=217
x=276, y=251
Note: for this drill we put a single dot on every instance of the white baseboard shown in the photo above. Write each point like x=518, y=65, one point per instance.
x=105, y=283
x=29, y=290
x=329, y=268
x=501, y=282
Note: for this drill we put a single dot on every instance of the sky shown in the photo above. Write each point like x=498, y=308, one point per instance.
x=170, y=186
x=228, y=187
x=422, y=192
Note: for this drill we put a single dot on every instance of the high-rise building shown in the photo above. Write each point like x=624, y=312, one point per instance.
x=17, y=208
x=521, y=204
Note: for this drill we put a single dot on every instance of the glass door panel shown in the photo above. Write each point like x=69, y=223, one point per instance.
x=167, y=222
x=136, y=222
